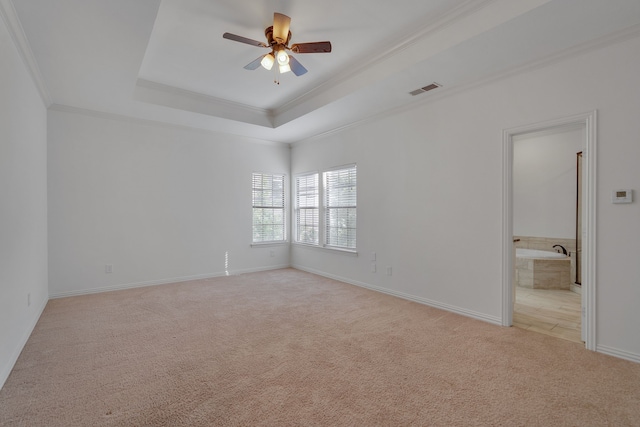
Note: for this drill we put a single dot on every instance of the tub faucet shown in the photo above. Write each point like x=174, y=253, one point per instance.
x=564, y=251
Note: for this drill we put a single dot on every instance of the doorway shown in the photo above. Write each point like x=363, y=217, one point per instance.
x=587, y=122
x=544, y=227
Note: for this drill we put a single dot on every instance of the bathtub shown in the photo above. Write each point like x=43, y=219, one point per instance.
x=538, y=269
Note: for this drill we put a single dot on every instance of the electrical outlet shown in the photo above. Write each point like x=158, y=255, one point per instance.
x=388, y=271
x=28, y=299
x=108, y=268
x=373, y=267
x=272, y=254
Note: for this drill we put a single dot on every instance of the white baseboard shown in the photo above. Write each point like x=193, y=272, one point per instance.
x=618, y=353
x=6, y=370
x=162, y=281
x=461, y=311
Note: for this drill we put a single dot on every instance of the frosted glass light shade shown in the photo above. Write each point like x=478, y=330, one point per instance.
x=285, y=68
x=282, y=57
x=267, y=61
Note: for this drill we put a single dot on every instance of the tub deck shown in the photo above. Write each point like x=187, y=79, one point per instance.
x=543, y=273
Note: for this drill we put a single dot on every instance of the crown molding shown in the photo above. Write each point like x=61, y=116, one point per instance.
x=555, y=58
x=10, y=18
x=200, y=96
x=157, y=123
x=392, y=49
x=174, y=97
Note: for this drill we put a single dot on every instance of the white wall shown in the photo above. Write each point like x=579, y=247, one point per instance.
x=544, y=183
x=158, y=203
x=23, y=204
x=430, y=180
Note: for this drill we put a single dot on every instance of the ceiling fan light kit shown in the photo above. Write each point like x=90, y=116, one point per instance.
x=284, y=68
x=278, y=37
x=283, y=58
x=267, y=61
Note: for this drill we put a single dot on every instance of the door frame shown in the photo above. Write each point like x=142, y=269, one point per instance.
x=589, y=120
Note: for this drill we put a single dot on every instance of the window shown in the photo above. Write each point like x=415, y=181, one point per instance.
x=328, y=211
x=340, y=207
x=268, y=208
x=307, y=209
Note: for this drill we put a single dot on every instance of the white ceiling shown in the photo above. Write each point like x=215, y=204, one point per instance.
x=167, y=61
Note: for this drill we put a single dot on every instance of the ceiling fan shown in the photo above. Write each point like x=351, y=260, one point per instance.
x=278, y=37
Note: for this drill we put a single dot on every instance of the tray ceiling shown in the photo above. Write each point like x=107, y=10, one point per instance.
x=167, y=61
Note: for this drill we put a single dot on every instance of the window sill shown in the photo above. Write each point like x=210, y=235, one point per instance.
x=267, y=244
x=327, y=249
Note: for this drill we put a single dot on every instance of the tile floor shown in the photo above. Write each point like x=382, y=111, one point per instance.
x=548, y=311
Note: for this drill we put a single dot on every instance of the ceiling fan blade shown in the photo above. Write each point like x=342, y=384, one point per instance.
x=281, y=25
x=313, y=47
x=296, y=67
x=245, y=40
x=254, y=64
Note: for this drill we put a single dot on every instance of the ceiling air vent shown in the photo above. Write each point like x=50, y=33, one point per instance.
x=425, y=89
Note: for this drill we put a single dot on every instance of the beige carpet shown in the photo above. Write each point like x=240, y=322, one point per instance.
x=285, y=347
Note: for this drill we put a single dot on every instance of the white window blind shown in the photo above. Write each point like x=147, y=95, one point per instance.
x=307, y=209
x=340, y=207
x=268, y=208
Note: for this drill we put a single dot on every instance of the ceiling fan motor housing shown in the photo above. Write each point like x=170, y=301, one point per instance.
x=271, y=41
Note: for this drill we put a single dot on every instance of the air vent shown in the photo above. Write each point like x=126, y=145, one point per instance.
x=425, y=89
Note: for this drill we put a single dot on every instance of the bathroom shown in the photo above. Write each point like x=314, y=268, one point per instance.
x=547, y=230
